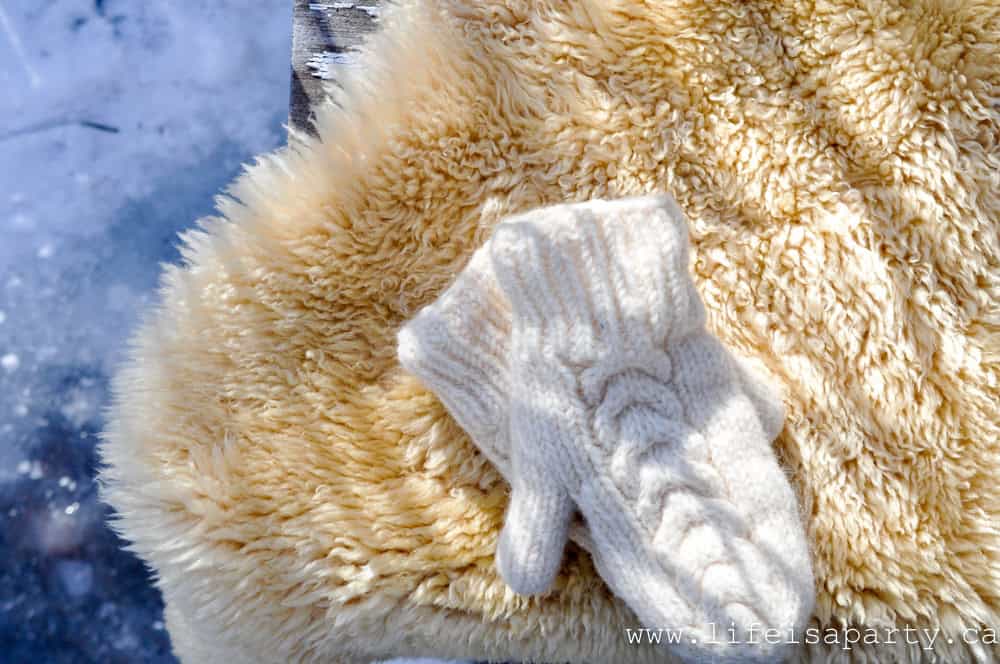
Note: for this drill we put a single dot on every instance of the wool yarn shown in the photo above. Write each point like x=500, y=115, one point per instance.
x=621, y=404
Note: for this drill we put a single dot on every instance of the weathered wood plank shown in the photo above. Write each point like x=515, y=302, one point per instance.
x=324, y=33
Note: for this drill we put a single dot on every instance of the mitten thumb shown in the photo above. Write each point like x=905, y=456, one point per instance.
x=535, y=531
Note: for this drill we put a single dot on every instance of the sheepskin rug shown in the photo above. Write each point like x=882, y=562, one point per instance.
x=303, y=499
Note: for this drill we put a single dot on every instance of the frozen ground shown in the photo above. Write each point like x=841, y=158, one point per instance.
x=119, y=121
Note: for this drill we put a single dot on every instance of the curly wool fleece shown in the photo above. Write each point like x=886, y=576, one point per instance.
x=302, y=498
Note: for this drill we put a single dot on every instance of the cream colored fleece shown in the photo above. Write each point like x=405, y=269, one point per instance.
x=302, y=498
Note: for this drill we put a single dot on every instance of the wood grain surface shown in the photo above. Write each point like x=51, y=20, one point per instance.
x=324, y=33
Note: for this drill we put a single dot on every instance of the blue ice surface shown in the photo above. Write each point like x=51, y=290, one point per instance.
x=119, y=123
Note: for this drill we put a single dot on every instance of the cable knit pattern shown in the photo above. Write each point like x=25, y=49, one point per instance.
x=458, y=344
x=619, y=402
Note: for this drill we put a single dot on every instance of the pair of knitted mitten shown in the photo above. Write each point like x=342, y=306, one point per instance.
x=574, y=352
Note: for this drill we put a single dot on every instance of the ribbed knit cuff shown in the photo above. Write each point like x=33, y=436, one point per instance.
x=456, y=347
x=600, y=274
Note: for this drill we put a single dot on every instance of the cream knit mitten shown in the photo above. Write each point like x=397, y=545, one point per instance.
x=574, y=352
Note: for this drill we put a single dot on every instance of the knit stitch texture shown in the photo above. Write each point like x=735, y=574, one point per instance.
x=621, y=403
